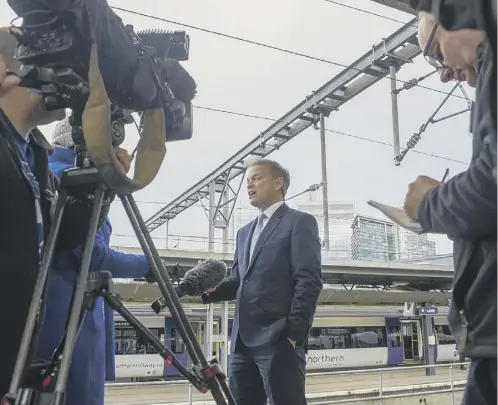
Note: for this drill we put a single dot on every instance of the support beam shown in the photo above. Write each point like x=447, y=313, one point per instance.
x=394, y=108
x=353, y=80
x=429, y=342
x=325, y=188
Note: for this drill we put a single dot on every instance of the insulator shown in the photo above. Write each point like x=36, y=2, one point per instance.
x=414, y=139
x=410, y=84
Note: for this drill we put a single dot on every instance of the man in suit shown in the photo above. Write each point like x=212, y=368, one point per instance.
x=276, y=281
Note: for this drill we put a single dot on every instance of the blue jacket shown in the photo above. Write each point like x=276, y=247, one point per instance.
x=93, y=357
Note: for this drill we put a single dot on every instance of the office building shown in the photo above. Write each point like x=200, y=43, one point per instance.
x=381, y=240
x=414, y=246
x=373, y=239
x=341, y=215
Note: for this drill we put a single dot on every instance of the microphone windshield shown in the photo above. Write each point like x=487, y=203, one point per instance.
x=206, y=275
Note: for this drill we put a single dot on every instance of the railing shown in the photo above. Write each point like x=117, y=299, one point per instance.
x=326, y=388
x=391, y=390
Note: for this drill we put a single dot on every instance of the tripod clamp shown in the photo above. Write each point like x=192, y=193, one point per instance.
x=212, y=372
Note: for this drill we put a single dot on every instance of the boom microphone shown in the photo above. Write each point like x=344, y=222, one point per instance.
x=206, y=275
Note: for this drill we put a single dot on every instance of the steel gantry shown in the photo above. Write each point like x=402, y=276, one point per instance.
x=221, y=189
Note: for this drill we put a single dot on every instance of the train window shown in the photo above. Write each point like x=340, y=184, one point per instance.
x=395, y=336
x=362, y=338
x=347, y=338
x=444, y=335
x=175, y=342
x=329, y=338
x=125, y=341
x=144, y=347
x=314, y=339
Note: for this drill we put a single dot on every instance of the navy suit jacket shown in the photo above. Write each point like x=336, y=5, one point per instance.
x=277, y=290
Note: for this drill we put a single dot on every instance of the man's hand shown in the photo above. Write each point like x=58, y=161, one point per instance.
x=416, y=193
x=292, y=342
x=7, y=81
x=124, y=158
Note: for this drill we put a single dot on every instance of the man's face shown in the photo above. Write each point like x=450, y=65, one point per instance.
x=262, y=187
x=33, y=103
x=454, y=53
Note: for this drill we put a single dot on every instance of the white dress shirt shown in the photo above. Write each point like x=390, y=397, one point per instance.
x=270, y=211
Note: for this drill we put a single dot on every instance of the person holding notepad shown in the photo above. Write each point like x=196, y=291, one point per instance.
x=464, y=208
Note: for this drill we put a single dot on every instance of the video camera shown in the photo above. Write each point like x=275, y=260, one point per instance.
x=140, y=70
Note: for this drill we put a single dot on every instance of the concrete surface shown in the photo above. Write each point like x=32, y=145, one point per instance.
x=339, y=386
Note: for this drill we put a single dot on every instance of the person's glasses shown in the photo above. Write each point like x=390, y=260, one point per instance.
x=434, y=59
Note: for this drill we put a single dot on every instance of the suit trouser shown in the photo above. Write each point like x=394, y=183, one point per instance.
x=275, y=373
x=481, y=383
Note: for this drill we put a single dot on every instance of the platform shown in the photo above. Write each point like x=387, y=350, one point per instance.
x=317, y=386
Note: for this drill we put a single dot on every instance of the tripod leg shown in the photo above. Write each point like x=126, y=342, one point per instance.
x=74, y=314
x=168, y=291
x=115, y=303
x=163, y=281
x=52, y=369
x=34, y=308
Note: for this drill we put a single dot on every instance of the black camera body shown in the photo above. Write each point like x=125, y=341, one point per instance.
x=137, y=68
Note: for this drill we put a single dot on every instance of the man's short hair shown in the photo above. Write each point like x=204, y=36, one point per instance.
x=422, y=15
x=426, y=22
x=8, y=44
x=277, y=170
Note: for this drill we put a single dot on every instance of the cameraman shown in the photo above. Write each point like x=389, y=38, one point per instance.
x=28, y=190
x=464, y=208
x=93, y=356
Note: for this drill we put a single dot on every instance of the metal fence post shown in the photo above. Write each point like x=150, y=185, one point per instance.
x=380, y=388
x=452, y=400
x=190, y=394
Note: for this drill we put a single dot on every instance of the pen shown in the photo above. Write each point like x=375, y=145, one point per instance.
x=446, y=173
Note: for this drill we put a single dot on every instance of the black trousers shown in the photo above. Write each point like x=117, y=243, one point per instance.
x=481, y=383
x=275, y=373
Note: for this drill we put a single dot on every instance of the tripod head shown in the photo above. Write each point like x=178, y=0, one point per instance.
x=69, y=133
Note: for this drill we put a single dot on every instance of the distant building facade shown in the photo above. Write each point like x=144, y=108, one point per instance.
x=414, y=246
x=341, y=215
x=380, y=240
x=354, y=236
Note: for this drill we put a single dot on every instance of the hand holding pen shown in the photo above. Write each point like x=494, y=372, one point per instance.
x=417, y=191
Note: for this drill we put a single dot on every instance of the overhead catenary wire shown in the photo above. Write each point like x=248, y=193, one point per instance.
x=361, y=10
x=330, y=131
x=257, y=43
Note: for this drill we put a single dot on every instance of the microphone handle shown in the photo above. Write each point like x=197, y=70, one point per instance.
x=160, y=304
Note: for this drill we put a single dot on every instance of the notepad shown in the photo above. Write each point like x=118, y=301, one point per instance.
x=398, y=216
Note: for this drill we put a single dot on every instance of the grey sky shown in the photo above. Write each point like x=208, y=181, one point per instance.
x=240, y=77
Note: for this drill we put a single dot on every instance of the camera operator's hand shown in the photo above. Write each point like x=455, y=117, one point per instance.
x=124, y=158
x=7, y=81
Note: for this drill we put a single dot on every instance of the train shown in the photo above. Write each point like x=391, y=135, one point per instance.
x=341, y=337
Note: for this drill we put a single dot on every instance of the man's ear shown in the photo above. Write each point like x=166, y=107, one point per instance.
x=279, y=184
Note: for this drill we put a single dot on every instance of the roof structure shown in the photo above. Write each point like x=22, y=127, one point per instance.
x=221, y=187
x=422, y=277
x=194, y=310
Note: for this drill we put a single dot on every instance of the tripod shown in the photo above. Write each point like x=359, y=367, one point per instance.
x=51, y=388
